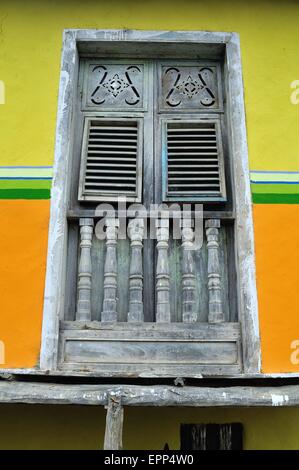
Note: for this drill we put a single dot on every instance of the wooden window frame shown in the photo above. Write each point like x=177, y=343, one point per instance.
x=169, y=45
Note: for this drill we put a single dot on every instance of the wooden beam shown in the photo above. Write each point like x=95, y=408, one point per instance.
x=77, y=213
x=114, y=424
x=155, y=395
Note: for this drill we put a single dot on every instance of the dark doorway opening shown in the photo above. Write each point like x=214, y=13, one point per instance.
x=228, y=436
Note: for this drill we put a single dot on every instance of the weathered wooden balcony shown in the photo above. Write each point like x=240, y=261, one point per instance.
x=185, y=326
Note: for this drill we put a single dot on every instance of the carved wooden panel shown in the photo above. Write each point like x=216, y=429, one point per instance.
x=151, y=350
x=190, y=87
x=114, y=86
x=128, y=351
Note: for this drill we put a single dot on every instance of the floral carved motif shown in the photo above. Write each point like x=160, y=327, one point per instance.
x=112, y=85
x=188, y=87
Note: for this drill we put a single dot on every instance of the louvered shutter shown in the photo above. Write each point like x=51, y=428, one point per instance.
x=114, y=105
x=193, y=166
x=111, y=160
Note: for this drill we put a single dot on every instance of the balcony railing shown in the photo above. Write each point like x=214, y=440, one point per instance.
x=135, y=313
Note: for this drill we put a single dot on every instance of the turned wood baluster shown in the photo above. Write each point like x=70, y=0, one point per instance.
x=136, y=231
x=109, y=312
x=188, y=276
x=214, y=279
x=84, y=271
x=162, y=273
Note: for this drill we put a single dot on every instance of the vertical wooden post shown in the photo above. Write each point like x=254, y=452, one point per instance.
x=84, y=271
x=109, y=312
x=136, y=231
x=188, y=277
x=214, y=279
x=162, y=272
x=114, y=424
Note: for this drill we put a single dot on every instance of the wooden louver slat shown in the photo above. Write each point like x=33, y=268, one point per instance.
x=194, y=161
x=111, y=160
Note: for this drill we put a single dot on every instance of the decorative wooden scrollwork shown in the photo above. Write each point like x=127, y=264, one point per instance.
x=189, y=87
x=115, y=85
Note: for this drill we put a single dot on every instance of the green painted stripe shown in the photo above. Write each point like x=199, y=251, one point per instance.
x=279, y=193
x=25, y=184
x=275, y=188
x=259, y=198
x=24, y=193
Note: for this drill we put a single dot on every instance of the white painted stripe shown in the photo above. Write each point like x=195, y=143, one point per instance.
x=277, y=176
x=26, y=172
x=47, y=172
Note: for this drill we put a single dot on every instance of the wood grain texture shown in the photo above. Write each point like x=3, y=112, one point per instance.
x=244, y=237
x=57, y=240
x=151, y=349
x=84, y=270
x=214, y=278
x=136, y=231
x=114, y=424
x=158, y=395
x=162, y=272
x=189, y=313
x=150, y=352
x=224, y=330
x=109, y=312
x=201, y=293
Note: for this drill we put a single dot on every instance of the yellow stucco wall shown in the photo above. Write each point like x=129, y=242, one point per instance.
x=30, y=46
x=30, y=41
x=75, y=427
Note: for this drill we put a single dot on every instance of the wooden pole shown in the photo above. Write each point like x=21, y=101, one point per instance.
x=149, y=395
x=114, y=424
